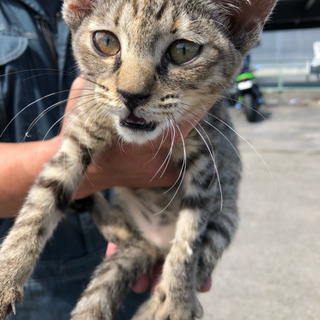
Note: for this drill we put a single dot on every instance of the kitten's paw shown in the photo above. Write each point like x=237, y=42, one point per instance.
x=147, y=310
x=91, y=313
x=91, y=307
x=177, y=307
x=162, y=306
x=9, y=298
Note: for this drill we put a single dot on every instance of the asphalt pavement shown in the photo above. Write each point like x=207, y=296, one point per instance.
x=272, y=269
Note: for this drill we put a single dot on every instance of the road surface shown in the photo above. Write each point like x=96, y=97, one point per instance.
x=272, y=269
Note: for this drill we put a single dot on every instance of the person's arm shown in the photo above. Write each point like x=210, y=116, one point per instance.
x=20, y=163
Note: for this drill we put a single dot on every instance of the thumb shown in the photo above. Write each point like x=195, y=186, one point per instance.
x=74, y=93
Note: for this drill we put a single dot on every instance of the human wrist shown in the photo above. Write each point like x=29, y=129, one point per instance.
x=40, y=152
x=21, y=163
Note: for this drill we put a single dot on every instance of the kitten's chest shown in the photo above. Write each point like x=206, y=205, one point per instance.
x=154, y=214
x=155, y=211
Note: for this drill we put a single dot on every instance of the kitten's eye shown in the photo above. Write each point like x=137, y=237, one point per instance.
x=183, y=51
x=106, y=43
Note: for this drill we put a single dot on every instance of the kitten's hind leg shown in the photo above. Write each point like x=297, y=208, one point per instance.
x=112, y=279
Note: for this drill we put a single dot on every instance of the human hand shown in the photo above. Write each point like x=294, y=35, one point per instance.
x=143, y=282
x=129, y=165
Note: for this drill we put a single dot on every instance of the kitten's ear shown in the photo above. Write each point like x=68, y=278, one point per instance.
x=74, y=11
x=247, y=21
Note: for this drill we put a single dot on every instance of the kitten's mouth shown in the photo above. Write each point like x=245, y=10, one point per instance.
x=136, y=123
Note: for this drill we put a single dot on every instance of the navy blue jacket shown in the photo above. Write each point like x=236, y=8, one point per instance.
x=35, y=61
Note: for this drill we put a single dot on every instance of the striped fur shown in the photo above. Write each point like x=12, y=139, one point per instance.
x=188, y=226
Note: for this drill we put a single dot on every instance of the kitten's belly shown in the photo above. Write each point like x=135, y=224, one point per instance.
x=157, y=228
x=159, y=235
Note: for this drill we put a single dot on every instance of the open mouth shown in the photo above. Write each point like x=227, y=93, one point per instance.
x=136, y=123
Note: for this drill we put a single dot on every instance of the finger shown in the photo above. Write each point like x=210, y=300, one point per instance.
x=206, y=286
x=111, y=248
x=75, y=92
x=142, y=284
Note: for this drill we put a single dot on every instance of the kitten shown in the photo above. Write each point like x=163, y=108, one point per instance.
x=150, y=65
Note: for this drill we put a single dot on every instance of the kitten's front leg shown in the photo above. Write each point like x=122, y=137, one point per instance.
x=112, y=279
x=39, y=216
x=175, y=295
x=35, y=223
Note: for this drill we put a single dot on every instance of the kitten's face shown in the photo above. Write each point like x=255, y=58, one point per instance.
x=154, y=63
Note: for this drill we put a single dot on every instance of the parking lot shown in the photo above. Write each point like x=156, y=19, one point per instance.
x=272, y=269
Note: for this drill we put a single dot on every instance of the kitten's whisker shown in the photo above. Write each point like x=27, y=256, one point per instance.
x=121, y=144
x=41, y=75
x=243, y=105
x=194, y=114
x=45, y=136
x=250, y=145
x=224, y=136
x=74, y=69
x=215, y=168
x=78, y=106
x=29, y=105
x=234, y=101
x=48, y=131
x=95, y=82
x=210, y=148
x=172, y=129
x=182, y=172
x=219, y=131
x=215, y=128
x=165, y=161
x=183, y=166
x=59, y=120
x=33, y=123
x=163, y=139
x=54, y=71
x=43, y=113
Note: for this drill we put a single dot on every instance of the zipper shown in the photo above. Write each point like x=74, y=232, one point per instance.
x=43, y=26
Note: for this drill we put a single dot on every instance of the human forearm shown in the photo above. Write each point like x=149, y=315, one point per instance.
x=20, y=163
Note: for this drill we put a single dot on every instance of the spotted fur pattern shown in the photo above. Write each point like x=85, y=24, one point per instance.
x=188, y=226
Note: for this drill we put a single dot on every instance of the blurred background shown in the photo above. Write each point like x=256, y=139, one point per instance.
x=288, y=54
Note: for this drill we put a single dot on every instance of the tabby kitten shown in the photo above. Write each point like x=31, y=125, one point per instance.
x=151, y=65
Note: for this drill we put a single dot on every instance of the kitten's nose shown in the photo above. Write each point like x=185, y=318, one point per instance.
x=133, y=100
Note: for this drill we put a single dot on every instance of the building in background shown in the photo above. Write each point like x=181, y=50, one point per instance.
x=286, y=52
x=283, y=59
